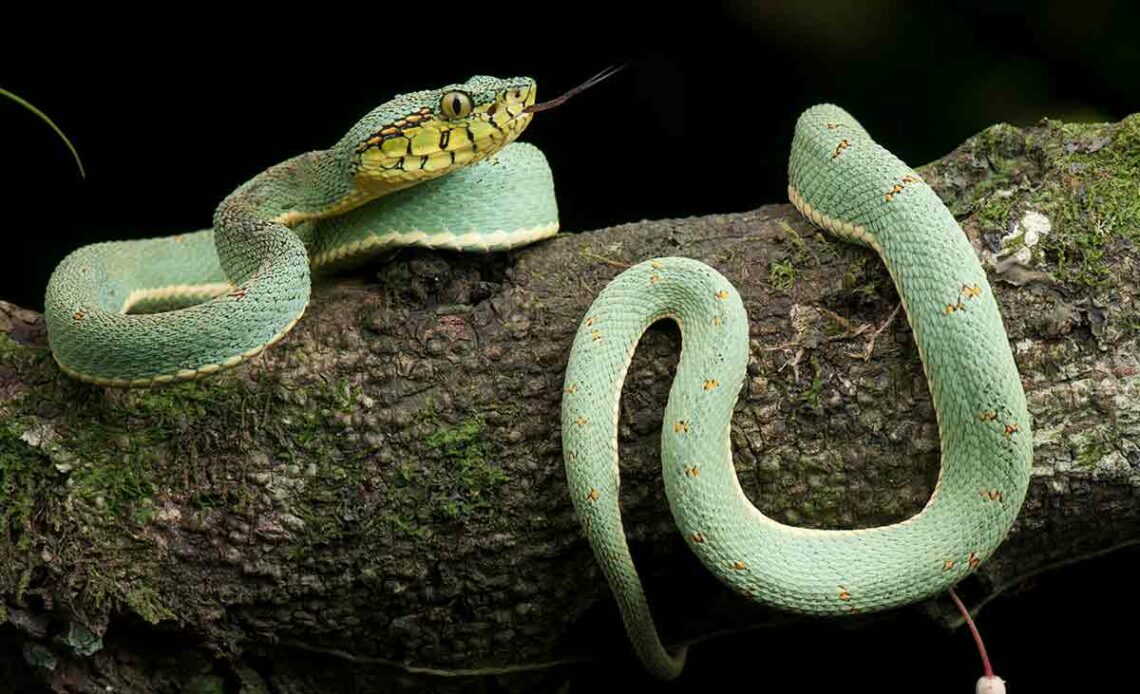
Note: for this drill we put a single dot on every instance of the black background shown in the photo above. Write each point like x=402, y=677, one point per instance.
x=170, y=111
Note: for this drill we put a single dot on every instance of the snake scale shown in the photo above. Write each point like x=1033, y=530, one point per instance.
x=438, y=169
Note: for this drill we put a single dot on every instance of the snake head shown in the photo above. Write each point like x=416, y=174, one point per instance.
x=423, y=135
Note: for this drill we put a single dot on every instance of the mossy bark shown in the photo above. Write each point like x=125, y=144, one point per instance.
x=384, y=489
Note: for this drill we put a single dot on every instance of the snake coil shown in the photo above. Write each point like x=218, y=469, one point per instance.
x=842, y=181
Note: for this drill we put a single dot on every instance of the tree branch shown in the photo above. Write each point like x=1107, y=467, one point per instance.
x=386, y=485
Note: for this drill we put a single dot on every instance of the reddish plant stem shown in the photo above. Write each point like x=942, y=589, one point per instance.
x=986, y=667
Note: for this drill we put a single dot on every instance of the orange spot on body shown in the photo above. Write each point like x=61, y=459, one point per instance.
x=987, y=416
x=595, y=335
x=722, y=295
x=1011, y=429
x=844, y=595
x=581, y=421
x=711, y=383
x=697, y=537
x=739, y=566
x=972, y=291
x=238, y=293
x=973, y=561
x=716, y=321
x=572, y=389
x=682, y=426
x=654, y=278
x=694, y=471
x=593, y=495
x=843, y=144
x=948, y=564
x=991, y=494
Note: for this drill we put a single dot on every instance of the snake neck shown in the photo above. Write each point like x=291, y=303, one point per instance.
x=255, y=220
x=311, y=185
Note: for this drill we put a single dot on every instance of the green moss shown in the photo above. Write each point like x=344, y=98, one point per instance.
x=9, y=348
x=811, y=395
x=993, y=214
x=782, y=274
x=468, y=477
x=1094, y=202
x=463, y=443
x=145, y=601
x=119, y=483
x=27, y=480
x=864, y=274
x=1001, y=143
x=1090, y=455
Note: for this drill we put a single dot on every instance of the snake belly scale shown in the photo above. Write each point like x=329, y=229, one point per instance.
x=435, y=168
x=846, y=183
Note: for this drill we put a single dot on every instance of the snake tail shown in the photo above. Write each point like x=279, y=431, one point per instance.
x=842, y=181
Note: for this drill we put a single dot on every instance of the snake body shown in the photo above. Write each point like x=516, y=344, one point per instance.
x=433, y=168
x=844, y=182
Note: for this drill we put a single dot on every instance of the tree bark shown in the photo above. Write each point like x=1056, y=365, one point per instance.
x=384, y=489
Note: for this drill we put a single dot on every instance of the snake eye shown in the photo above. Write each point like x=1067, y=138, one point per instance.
x=456, y=104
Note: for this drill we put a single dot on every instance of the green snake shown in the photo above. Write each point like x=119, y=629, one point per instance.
x=438, y=169
x=843, y=181
x=433, y=168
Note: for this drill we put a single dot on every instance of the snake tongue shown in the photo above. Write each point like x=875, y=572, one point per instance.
x=559, y=100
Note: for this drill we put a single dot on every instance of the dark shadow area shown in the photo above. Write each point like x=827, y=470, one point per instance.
x=1053, y=633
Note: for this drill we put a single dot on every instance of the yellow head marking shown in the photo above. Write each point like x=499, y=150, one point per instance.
x=439, y=134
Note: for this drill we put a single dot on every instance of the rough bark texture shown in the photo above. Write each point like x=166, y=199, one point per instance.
x=384, y=491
